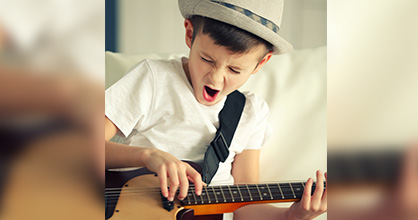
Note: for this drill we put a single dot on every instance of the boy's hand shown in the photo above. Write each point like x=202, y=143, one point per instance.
x=178, y=172
x=309, y=206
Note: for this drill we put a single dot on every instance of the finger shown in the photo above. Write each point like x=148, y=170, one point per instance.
x=324, y=196
x=316, y=198
x=162, y=176
x=306, y=198
x=196, y=179
x=174, y=182
x=184, y=184
x=192, y=181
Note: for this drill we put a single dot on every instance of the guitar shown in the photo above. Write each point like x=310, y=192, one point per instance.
x=136, y=195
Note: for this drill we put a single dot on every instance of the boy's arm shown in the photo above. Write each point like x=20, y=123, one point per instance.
x=119, y=155
x=164, y=164
x=245, y=169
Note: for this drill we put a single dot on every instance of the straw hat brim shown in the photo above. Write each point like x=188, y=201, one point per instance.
x=230, y=16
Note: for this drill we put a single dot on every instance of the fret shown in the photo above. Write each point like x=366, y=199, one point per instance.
x=271, y=196
x=240, y=194
x=293, y=192
x=298, y=189
x=255, y=193
x=194, y=197
x=214, y=193
x=287, y=191
x=275, y=191
x=265, y=191
x=259, y=193
x=223, y=195
x=245, y=196
x=236, y=193
x=230, y=192
x=281, y=192
x=207, y=193
x=188, y=197
x=201, y=198
x=219, y=193
x=249, y=192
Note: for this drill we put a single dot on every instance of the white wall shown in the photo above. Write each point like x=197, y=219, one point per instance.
x=156, y=26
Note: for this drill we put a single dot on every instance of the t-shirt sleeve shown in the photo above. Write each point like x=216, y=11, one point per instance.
x=128, y=102
x=260, y=130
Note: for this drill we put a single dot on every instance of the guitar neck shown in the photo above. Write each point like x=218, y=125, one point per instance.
x=247, y=193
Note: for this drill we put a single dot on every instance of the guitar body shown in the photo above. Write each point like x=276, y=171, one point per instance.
x=135, y=195
x=145, y=205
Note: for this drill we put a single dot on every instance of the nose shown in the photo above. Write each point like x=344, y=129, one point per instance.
x=217, y=76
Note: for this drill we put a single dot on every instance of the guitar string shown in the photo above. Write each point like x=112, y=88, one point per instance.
x=157, y=192
x=237, y=184
x=252, y=191
x=243, y=184
x=157, y=195
x=154, y=188
x=111, y=201
x=199, y=202
x=127, y=190
x=286, y=196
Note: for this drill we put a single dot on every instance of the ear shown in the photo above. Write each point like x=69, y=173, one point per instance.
x=189, y=32
x=263, y=61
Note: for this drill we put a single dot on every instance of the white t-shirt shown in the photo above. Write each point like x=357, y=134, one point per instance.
x=154, y=106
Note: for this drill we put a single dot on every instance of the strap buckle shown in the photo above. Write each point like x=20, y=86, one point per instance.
x=220, y=146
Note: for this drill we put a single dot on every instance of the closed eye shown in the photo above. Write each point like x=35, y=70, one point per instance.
x=208, y=61
x=234, y=71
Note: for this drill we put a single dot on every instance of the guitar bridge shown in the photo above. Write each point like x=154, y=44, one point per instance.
x=168, y=205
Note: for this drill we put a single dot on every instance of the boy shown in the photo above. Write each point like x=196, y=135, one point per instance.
x=168, y=110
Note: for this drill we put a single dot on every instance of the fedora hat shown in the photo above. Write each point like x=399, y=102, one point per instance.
x=259, y=17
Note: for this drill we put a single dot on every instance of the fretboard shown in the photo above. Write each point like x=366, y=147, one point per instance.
x=246, y=193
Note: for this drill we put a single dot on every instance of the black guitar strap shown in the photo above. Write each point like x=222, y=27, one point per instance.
x=218, y=149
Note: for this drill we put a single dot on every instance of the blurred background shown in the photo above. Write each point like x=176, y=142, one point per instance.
x=51, y=109
x=157, y=26
x=372, y=109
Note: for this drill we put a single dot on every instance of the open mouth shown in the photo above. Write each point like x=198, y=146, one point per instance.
x=210, y=94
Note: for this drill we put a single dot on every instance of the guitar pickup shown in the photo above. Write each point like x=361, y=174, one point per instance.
x=168, y=205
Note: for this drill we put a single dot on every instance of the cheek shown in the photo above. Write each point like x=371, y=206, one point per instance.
x=199, y=69
x=235, y=82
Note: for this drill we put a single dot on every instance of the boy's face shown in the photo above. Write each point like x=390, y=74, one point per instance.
x=215, y=72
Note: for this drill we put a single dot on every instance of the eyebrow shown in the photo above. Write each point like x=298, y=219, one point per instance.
x=213, y=60
x=206, y=55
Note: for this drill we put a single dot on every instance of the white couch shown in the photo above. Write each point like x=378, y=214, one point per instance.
x=295, y=87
